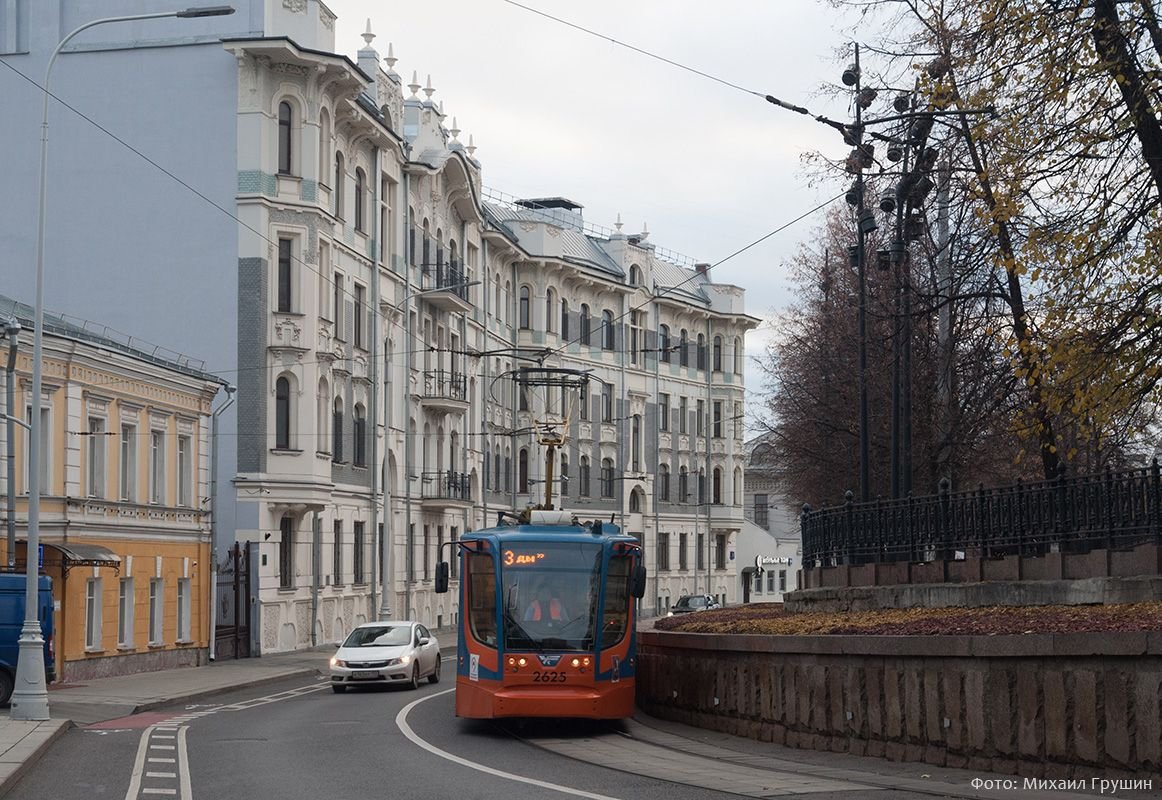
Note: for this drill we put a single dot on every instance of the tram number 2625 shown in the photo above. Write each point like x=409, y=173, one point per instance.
x=549, y=677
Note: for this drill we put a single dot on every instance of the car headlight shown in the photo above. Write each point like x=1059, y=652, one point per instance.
x=405, y=659
x=338, y=662
x=669, y=613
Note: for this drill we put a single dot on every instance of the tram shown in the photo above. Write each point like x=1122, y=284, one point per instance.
x=547, y=623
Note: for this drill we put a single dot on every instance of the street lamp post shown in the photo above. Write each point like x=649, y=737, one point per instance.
x=30, y=697
x=385, y=539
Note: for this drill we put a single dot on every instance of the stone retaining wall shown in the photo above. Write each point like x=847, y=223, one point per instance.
x=1077, y=705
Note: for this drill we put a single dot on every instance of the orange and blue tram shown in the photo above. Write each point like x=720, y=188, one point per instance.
x=547, y=618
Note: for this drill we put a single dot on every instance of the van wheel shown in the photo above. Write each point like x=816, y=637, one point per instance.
x=6, y=686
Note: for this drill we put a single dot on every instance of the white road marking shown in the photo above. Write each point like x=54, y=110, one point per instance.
x=138, y=767
x=401, y=721
x=161, y=774
x=159, y=791
x=184, y=766
x=162, y=760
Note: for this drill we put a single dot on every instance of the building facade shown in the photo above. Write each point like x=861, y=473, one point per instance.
x=770, y=547
x=124, y=521
x=375, y=304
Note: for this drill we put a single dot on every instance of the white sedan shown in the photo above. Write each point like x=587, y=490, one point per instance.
x=386, y=652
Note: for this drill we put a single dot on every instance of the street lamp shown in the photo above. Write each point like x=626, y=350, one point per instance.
x=384, y=540
x=30, y=697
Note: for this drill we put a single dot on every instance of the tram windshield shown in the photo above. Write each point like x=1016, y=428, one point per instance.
x=550, y=595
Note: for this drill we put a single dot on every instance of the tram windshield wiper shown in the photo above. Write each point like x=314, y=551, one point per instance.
x=513, y=627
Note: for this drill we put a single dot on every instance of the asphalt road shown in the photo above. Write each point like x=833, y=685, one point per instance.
x=296, y=740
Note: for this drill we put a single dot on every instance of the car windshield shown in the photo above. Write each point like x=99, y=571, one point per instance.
x=379, y=636
x=691, y=602
x=550, y=592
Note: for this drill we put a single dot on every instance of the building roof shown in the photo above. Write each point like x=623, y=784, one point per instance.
x=108, y=338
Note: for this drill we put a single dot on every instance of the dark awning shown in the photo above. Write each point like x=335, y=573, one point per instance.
x=79, y=554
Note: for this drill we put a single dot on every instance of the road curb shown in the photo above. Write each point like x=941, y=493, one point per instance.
x=11, y=779
x=203, y=693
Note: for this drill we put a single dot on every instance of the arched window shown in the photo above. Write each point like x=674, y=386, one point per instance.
x=684, y=349
x=738, y=354
x=607, y=338
x=664, y=342
x=337, y=430
x=323, y=410
x=664, y=483
x=717, y=488
x=564, y=474
x=550, y=310
x=635, y=501
x=324, y=144
x=701, y=352
x=636, y=442
x=701, y=486
x=683, y=484
x=359, y=454
x=607, y=477
x=584, y=323
x=285, y=122
x=360, y=192
x=717, y=354
x=584, y=477
x=525, y=307
x=282, y=414
x=564, y=319
x=339, y=188
x=385, y=112
x=635, y=275
x=440, y=255
x=522, y=466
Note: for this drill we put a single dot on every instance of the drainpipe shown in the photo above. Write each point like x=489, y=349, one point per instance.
x=658, y=441
x=512, y=407
x=708, y=485
x=622, y=423
x=407, y=417
x=485, y=439
x=316, y=565
x=230, y=390
x=373, y=330
x=12, y=329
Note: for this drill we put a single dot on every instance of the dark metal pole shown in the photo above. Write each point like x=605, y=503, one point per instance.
x=861, y=258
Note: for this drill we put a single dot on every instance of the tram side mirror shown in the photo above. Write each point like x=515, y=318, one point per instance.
x=442, y=577
x=638, y=586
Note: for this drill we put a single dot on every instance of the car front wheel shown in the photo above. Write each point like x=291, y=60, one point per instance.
x=415, y=681
x=337, y=688
x=435, y=676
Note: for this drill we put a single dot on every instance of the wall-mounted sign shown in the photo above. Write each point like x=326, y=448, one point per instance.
x=762, y=561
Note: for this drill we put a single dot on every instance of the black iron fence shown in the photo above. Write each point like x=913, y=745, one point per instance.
x=1112, y=509
x=447, y=385
x=446, y=485
x=448, y=276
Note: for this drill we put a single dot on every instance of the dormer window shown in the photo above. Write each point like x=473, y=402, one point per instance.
x=635, y=275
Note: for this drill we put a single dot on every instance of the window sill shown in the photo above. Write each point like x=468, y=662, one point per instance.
x=293, y=314
x=285, y=451
x=286, y=590
x=125, y=647
x=184, y=642
x=156, y=645
x=94, y=651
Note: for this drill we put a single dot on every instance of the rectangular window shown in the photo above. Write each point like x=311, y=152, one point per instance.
x=717, y=419
x=128, y=481
x=156, y=467
x=360, y=545
x=410, y=553
x=286, y=553
x=770, y=581
x=185, y=470
x=700, y=422
x=761, y=511
x=360, y=312
x=125, y=603
x=337, y=554
x=324, y=273
x=664, y=411
x=45, y=449
x=427, y=552
x=93, y=614
x=337, y=304
x=96, y=457
x=782, y=580
x=156, y=609
x=738, y=420
x=700, y=556
x=663, y=552
x=584, y=401
x=683, y=563
x=284, y=275
x=183, y=609
x=606, y=402
x=683, y=415
x=720, y=551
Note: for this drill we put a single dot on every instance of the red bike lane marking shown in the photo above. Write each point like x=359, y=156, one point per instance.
x=135, y=721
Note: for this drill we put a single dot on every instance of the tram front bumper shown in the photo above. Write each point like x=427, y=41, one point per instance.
x=478, y=701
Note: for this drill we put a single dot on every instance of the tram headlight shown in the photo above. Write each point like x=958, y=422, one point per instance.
x=585, y=661
x=522, y=661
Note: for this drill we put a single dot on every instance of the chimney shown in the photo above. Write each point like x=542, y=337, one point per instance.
x=702, y=269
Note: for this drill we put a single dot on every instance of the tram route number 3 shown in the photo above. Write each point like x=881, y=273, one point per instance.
x=514, y=559
x=549, y=677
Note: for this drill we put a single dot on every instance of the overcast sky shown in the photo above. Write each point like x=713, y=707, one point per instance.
x=555, y=111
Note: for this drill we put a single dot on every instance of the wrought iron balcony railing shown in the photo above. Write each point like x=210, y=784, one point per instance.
x=440, y=384
x=446, y=485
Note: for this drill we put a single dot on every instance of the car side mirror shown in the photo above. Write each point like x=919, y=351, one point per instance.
x=638, y=584
x=424, y=640
x=442, y=577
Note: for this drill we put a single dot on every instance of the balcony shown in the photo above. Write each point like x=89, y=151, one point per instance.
x=445, y=489
x=443, y=287
x=726, y=516
x=444, y=390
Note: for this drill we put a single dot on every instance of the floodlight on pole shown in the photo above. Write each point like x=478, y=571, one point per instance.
x=30, y=697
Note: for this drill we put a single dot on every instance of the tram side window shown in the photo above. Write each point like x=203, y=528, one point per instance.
x=616, y=609
x=482, y=596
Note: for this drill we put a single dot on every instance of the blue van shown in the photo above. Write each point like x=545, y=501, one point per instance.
x=12, y=588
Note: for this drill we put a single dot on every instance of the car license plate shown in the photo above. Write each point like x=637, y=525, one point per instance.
x=365, y=674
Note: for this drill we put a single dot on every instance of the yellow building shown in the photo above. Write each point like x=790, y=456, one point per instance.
x=124, y=515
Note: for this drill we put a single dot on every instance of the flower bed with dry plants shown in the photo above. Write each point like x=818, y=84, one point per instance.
x=770, y=619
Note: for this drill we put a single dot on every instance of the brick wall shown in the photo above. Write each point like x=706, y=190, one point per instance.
x=1076, y=705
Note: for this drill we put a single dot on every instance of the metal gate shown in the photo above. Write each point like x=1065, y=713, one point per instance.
x=233, y=624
